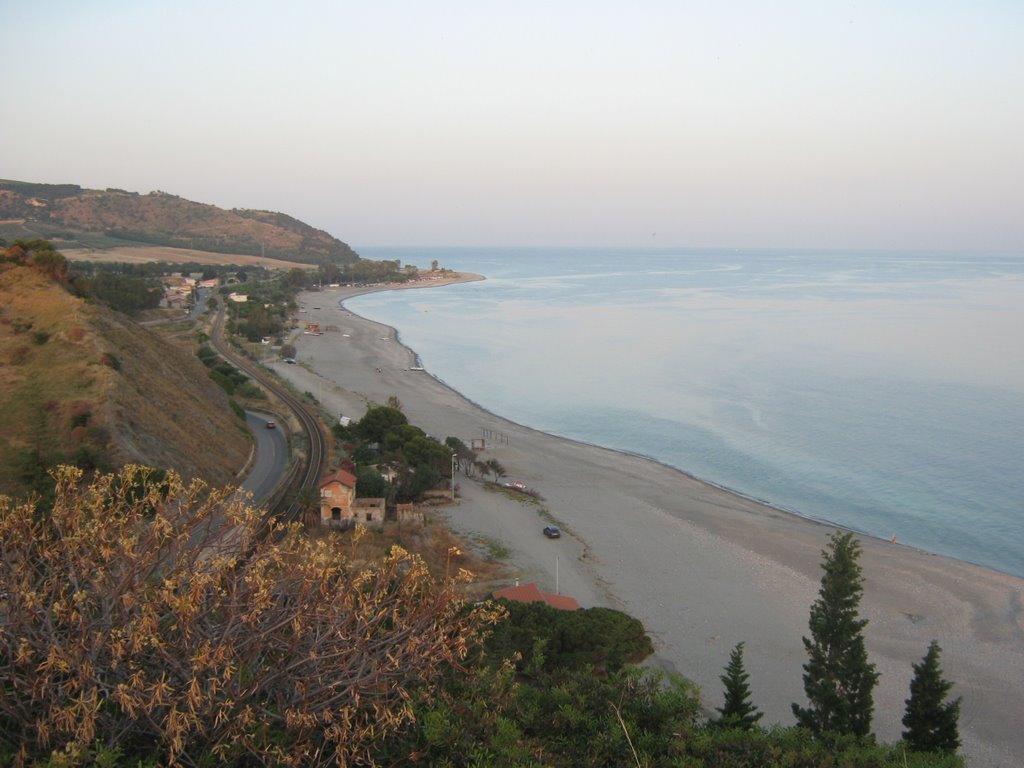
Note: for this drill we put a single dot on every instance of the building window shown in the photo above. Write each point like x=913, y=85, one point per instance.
x=335, y=513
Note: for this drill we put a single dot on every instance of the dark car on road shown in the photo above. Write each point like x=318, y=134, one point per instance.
x=552, y=532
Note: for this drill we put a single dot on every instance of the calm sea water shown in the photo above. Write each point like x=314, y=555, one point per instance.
x=880, y=391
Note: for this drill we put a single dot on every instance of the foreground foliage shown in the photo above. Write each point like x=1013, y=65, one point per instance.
x=146, y=619
x=632, y=717
x=146, y=622
x=539, y=718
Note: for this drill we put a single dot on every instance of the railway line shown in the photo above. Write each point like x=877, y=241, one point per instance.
x=305, y=473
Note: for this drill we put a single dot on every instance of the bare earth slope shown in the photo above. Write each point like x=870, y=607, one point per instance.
x=77, y=378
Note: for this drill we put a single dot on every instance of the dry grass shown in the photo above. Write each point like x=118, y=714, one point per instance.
x=50, y=366
x=146, y=254
x=75, y=375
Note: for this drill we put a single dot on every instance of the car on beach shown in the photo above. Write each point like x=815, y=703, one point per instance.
x=552, y=532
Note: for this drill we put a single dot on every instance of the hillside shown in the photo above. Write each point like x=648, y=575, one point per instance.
x=72, y=217
x=79, y=382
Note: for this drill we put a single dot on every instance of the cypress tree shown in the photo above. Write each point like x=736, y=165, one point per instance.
x=932, y=723
x=737, y=711
x=838, y=679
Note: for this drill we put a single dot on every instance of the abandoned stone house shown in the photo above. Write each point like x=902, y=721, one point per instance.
x=340, y=507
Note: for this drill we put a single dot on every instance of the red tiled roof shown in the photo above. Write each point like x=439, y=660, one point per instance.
x=562, y=602
x=530, y=593
x=341, y=476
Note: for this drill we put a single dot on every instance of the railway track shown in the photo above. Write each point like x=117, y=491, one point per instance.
x=302, y=474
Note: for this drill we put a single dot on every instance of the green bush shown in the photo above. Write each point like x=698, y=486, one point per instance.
x=250, y=390
x=370, y=484
x=206, y=355
x=592, y=637
x=222, y=381
x=230, y=372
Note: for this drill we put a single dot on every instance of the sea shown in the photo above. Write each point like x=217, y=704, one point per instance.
x=882, y=392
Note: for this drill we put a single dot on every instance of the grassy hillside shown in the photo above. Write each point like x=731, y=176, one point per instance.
x=80, y=383
x=71, y=217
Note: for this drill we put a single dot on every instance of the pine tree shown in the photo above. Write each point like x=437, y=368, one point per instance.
x=932, y=723
x=838, y=679
x=737, y=711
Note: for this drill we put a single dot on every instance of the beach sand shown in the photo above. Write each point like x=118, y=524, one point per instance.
x=701, y=567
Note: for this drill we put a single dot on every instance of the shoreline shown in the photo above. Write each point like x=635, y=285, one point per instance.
x=700, y=565
x=472, y=277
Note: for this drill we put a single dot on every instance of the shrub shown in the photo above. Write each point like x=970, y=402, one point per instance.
x=238, y=410
x=244, y=650
x=222, y=381
x=81, y=412
x=251, y=390
x=591, y=637
x=206, y=355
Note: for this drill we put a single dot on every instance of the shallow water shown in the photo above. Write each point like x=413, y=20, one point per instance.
x=880, y=391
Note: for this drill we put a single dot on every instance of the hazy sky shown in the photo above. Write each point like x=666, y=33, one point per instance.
x=889, y=124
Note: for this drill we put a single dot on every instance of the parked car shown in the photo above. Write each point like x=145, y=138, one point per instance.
x=552, y=532
x=271, y=425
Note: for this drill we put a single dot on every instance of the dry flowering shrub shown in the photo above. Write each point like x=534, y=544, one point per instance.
x=148, y=619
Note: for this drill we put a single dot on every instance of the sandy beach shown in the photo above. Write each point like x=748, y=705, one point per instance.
x=703, y=568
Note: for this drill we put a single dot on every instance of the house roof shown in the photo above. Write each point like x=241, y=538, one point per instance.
x=341, y=476
x=530, y=593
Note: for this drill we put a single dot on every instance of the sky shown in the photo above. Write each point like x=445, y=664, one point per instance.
x=895, y=124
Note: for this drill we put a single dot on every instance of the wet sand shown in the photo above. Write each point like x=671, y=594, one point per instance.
x=703, y=568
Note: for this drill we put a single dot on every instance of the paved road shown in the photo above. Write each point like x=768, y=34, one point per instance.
x=271, y=457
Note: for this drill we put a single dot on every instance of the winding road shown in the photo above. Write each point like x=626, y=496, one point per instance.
x=305, y=472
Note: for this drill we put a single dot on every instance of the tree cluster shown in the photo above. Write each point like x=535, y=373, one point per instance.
x=41, y=256
x=123, y=293
x=839, y=679
x=222, y=373
x=384, y=435
x=119, y=289
x=367, y=271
